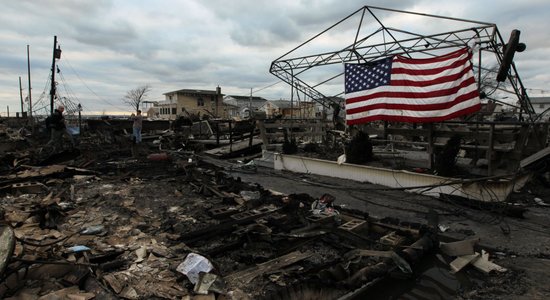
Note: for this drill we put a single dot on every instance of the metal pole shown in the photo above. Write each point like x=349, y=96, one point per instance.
x=52, y=87
x=80, y=119
x=21, y=96
x=29, y=76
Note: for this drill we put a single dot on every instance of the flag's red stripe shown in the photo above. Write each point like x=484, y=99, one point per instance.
x=439, y=80
x=414, y=95
x=429, y=60
x=415, y=107
x=394, y=118
x=430, y=71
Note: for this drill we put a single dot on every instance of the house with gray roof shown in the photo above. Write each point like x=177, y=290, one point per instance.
x=244, y=104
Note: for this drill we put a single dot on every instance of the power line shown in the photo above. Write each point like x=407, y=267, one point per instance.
x=268, y=86
x=100, y=98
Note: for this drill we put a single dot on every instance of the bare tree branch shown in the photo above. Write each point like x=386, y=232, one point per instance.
x=135, y=96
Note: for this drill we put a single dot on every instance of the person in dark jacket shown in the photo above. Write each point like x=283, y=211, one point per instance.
x=58, y=129
x=136, y=126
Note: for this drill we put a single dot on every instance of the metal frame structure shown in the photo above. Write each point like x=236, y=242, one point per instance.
x=291, y=69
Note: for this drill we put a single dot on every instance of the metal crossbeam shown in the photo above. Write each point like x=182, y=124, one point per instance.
x=291, y=69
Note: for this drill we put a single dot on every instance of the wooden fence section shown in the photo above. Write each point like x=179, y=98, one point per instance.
x=272, y=131
x=499, y=143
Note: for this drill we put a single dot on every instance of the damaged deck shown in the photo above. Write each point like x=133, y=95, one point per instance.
x=484, y=189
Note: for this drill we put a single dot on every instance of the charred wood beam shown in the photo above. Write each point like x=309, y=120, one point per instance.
x=225, y=227
x=245, y=276
x=225, y=247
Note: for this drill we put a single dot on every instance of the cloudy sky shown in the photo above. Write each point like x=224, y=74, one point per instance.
x=112, y=46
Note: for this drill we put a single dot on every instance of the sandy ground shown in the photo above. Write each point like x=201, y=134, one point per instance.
x=520, y=244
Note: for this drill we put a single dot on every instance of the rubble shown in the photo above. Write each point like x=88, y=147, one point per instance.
x=135, y=234
x=107, y=225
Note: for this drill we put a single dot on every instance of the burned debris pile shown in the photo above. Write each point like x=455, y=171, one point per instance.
x=103, y=224
x=100, y=222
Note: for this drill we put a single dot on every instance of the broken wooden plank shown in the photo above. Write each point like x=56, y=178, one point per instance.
x=460, y=262
x=460, y=248
x=246, y=276
x=535, y=157
x=368, y=252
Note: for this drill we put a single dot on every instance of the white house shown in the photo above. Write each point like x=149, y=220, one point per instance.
x=244, y=103
x=541, y=105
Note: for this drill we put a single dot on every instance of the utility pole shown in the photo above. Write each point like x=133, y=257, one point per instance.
x=250, y=105
x=21, y=96
x=29, y=76
x=79, y=119
x=218, y=94
x=56, y=54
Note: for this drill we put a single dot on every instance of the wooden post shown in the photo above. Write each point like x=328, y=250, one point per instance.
x=218, y=134
x=29, y=77
x=251, y=133
x=263, y=135
x=489, y=155
x=430, y=145
x=230, y=138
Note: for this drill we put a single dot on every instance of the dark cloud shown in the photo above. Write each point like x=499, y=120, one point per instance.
x=110, y=46
x=108, y=35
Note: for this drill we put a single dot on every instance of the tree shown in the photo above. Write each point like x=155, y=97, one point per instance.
x=135, y=96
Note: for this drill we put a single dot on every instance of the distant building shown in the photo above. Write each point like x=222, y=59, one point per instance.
x=541, y=105
x=286, y=109
x=149, y=110
x=328, y=113
x=244, y=104
x=230, y=110
x=190, y=101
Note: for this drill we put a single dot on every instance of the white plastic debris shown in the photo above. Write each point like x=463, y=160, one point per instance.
x=443, y=227
x=341, y=159
x=483, y=264
x=194, y=264
x=141, y=254
x=78, y=248
x=540, y=202
x=91, y=230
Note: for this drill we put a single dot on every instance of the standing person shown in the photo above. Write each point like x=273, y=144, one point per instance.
x=138, y=124
x=58, y=128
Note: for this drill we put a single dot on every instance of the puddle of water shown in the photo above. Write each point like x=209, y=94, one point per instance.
x=433, y=281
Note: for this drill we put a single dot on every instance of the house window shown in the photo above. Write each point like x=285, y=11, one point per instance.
x=200, y=102
x=170, y=97
x=174, y=110
x=541, y=105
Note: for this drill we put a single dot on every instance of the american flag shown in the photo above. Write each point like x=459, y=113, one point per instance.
x=402, y=89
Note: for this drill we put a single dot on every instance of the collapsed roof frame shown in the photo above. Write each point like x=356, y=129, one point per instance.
x=485, y=35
